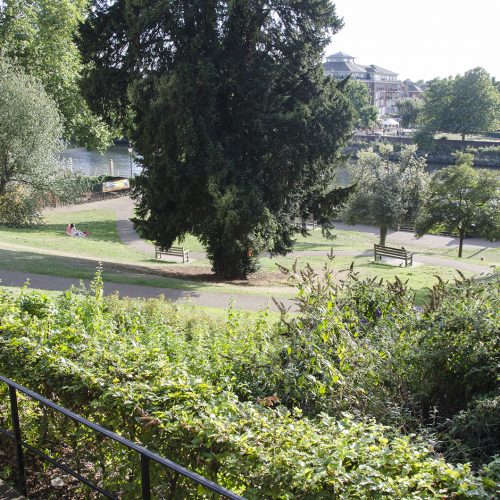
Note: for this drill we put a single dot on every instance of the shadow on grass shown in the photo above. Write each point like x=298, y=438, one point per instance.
x=51, y=265
x=304, y=245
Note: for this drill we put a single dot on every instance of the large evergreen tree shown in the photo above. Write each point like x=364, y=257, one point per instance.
x=238, y=128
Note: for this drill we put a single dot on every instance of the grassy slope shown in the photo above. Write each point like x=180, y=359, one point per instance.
x=104, y=242
x=105, y=245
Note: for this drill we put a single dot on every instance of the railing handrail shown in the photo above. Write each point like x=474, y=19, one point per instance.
x=144, y=452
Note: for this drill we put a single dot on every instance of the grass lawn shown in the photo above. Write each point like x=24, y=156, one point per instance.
x=482, y=256
x=420, y=277
x=54, y=265
x=343, y=240
x=104, y=242
x=34, y=250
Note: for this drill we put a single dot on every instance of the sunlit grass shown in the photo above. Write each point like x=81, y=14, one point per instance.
x=33, y=250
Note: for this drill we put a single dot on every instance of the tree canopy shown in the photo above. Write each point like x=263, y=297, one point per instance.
x=410, y=110
x=40, y=37
x=464, y=105
x=365, y=112
x=463, y=200
x=30, y=138
x=235, y=121
x=387, y=192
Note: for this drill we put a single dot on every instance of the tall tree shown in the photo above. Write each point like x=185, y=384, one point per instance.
x=40, y=37
x=365, y=113
x=30, y=137
x=463, y=200
x=387, y=192
x=464, y=105
x=237, y=125
x=410, y=110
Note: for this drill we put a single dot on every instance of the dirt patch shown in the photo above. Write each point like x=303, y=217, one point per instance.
x=203, y=274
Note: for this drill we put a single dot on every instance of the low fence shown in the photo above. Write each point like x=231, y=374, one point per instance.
x=146, y=455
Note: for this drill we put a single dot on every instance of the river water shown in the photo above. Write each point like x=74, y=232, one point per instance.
x=92, y=163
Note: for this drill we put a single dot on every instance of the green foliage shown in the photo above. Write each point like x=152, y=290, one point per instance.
x=410, y=110
x=453, y=368
x=365, y=114
x=460, y=358
x=472, y=433
x=329, y=361
x=31, y=174
x=387, y=192
x=424, y=139
x=237, y=125
x=464, y=200
x=40, y=37
x=464, y=104
x=188, y=386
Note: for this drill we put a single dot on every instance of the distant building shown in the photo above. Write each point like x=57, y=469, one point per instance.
x=383, y=85
x=412, y=90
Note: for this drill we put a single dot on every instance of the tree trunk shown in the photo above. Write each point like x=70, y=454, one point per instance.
x=461, y=242
x=232, y=262
x=383, y=235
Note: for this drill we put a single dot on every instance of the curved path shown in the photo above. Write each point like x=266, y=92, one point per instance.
x=123, y=208
x=209, y=299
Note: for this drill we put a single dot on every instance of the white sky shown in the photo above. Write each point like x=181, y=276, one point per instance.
x=421, y=39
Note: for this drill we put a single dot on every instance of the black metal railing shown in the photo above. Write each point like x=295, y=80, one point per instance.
x=146, y=455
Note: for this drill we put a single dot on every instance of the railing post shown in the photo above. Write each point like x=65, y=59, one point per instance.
x=145, y=479
x=21, y=478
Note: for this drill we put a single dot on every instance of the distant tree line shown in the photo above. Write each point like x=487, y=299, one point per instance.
x=465, y=104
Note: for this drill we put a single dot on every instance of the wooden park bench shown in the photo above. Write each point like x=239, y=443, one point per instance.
x=175, y=251
x=395, y=253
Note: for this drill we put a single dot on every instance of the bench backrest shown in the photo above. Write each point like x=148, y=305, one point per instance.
x=390, y=251
x=171, y=250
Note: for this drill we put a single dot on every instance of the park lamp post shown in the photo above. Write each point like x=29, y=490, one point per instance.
x=130, y=151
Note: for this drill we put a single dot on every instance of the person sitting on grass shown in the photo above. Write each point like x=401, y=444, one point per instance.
x=71, y=230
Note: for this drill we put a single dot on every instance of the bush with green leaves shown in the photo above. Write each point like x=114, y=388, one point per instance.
x=213, y=395
x=31, y=172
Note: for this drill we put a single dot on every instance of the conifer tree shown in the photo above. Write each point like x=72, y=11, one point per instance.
x=235, y=121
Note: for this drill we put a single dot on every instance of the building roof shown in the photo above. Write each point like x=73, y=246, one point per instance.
x=413, y=88
x=341, y=62
x=343, y=67
x=373, y=68
x=339, y=55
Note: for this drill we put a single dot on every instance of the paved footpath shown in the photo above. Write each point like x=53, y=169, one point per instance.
x=210, y=299
x=123, y=207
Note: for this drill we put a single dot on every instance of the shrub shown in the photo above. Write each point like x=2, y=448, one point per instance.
x=457, y=352
x=174, y=381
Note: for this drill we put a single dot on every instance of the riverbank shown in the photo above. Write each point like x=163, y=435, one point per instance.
x=486, y=153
